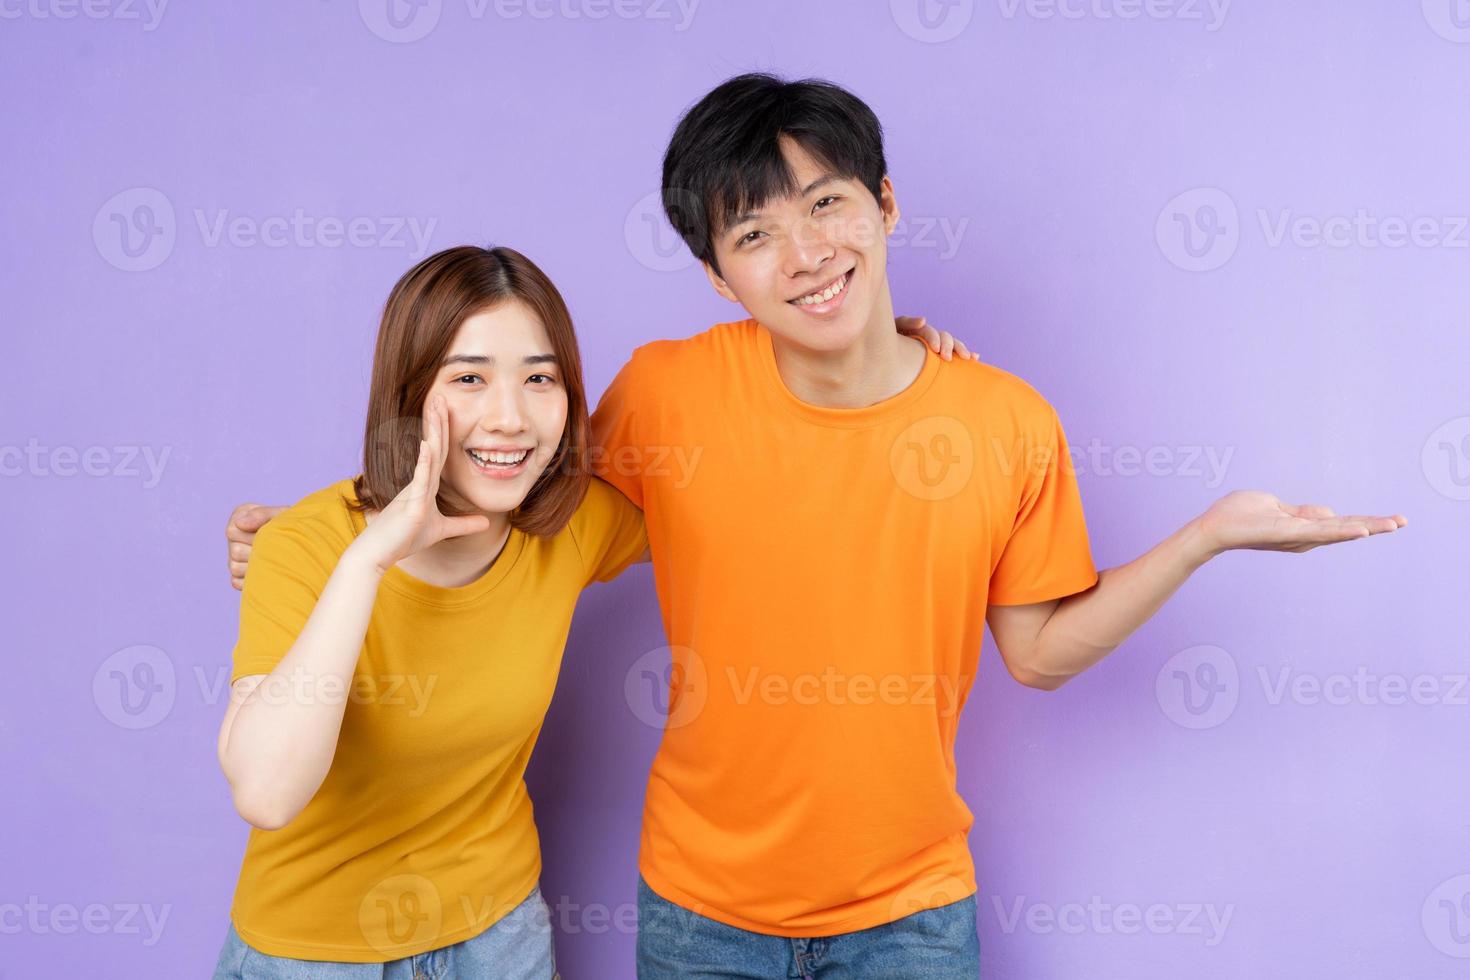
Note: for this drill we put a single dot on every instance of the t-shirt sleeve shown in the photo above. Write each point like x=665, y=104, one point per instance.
x=1047, y=555
x=288, y=570
x=609, y=532
x=617, y=454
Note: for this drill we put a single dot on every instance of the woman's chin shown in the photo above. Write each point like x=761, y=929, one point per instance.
x=501, y=497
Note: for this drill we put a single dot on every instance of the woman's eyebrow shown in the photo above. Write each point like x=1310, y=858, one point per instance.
x=486, y=359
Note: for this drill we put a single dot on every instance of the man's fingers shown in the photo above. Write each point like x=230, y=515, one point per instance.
x=1333, y=530
x=246, y=519
x=1372, y=524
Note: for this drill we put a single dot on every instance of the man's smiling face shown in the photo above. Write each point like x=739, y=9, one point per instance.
x=812, y=266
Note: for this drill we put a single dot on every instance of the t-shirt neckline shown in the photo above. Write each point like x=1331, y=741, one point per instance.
x=895, y=405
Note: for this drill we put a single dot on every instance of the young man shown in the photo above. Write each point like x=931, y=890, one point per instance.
x=854, y=509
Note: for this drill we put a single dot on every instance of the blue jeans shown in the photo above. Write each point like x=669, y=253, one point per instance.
x=516, y=947
x=675, y=943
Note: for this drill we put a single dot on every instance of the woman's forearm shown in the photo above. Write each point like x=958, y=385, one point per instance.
x=280, y=743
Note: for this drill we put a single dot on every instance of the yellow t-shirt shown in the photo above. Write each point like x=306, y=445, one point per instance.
x=824, y=575
x=421, y=835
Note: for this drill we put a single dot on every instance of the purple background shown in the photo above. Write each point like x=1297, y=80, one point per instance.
x=1064, y=155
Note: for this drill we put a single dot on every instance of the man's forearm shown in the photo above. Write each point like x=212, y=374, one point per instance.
x=1088, y=626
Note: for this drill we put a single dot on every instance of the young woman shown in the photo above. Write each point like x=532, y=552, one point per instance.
x=400, y=637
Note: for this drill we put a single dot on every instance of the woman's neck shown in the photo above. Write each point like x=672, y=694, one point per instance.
x=456, y=562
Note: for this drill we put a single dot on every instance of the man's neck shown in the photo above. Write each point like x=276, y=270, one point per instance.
x=879, y=364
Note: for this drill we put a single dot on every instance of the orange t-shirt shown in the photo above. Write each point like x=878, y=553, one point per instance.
x=823, y=575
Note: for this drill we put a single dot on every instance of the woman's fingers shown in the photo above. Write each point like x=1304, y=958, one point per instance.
x=439, y=441
x=471, y=524
x=430, y=424
x=418, y=487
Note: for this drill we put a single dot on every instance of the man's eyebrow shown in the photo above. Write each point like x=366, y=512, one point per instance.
x=820, y=182
x=484, y=359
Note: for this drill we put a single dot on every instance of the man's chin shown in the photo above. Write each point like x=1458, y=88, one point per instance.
x=825, y=336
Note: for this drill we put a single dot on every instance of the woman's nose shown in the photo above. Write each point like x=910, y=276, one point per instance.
x=504, y=413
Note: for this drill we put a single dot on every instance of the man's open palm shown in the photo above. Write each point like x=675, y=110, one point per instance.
x=1258, y=520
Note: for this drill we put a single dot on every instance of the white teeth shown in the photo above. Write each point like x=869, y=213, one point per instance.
x=825, y=294
x=488, y=457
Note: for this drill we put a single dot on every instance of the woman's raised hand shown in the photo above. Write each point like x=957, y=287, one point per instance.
x=412, y=522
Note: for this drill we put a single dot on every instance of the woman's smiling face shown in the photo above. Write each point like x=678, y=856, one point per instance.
x=507, y=406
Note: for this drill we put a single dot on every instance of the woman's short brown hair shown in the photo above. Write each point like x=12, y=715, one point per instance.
x=420, y=319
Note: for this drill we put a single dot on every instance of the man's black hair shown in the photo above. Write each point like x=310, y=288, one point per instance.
x=724, y=158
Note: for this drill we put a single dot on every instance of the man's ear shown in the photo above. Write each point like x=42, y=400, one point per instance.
x=720, y=285
x=888, y=204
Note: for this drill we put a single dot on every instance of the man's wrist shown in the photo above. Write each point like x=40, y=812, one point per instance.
x=1196, y=546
